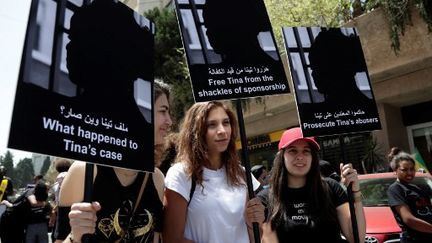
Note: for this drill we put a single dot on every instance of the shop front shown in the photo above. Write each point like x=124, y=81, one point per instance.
x=354, y=147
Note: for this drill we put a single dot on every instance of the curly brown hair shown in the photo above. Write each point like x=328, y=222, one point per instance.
x=192, y=147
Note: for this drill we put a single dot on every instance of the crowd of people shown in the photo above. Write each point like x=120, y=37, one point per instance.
x=30, y=216
x=204, y=196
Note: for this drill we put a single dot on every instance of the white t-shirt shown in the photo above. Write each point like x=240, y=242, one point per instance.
x=215, y=214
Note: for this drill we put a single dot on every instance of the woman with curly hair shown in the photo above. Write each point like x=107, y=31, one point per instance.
x=411, y=205
x=218, y=210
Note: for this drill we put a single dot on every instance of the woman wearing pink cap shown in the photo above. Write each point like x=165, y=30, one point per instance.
x=303, y=206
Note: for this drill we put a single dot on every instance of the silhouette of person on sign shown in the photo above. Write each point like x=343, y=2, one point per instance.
x=109, y=50
x=233, y=28
x=335, y=59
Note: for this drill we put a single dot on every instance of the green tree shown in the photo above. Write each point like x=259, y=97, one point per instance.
x=45, y=166
x=170, y=61
x=374, y=159
x=325, y=13
x=51, y=174
x=24, y=172
x=7, y=162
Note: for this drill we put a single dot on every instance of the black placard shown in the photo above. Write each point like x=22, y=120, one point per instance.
x=333, y=90
x=230, y=49
x=99, y=107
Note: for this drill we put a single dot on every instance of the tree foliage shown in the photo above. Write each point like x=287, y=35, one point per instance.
x=24, y=172
x=325, y=13
x=398, y=14
x=374, y=159
x=51, y=174
x=7, y=162
x=45, y=166
x=170, y=62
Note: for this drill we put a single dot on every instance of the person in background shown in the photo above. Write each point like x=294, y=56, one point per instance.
x=392, y=153
x=31, y=186
x=303, y=206
x=218, y=210
x=14, y=220
x=327, y=170
x=6, y=191
x=116, y=192
x=421, y=170
x=40, y=212
x=6, y=186
x=62, y=165
x=29, y=190
x=410, y=205
x=26, y=219
x=260, y=173
x=170, y=152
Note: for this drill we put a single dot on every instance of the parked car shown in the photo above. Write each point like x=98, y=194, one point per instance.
x=381, y=226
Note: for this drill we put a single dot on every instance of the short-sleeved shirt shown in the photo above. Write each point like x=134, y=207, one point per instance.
x=302, y=223
x=216, y=211
x=419, y=204
x=39, y=214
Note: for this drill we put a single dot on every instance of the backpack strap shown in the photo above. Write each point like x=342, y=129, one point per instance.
x=192, y=190
x=138, y=200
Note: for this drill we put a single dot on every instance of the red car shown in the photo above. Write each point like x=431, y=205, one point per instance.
x=381, y=226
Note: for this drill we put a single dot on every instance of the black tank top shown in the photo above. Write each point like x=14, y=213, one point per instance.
x=116, y=220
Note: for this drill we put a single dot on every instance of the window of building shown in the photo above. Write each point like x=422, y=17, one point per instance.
x=420, y=141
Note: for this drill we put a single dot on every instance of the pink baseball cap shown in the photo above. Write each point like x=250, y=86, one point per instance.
x=294, y=134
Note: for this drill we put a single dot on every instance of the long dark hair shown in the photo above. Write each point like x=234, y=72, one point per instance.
x=317, y=189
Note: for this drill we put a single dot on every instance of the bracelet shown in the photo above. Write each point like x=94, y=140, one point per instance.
x=356, y=191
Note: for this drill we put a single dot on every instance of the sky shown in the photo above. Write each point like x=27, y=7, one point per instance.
x=13, y=23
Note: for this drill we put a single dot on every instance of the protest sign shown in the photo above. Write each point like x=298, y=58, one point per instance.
x=230, y=49
x=332, y=85
x=91, y=99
